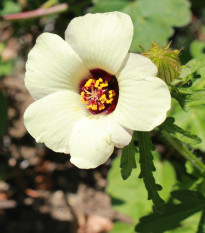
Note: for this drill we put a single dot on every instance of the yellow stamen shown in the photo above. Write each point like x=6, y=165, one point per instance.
x=92, y=92
x=94, y=107
x=103, y=98
x=97, y=83
x=105, y=84
x=101, y=107
x=88, y=83
x=85, y=102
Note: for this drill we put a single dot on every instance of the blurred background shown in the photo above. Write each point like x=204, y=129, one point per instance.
x=41, y=191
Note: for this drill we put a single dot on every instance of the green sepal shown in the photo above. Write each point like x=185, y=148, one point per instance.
x=166, y=60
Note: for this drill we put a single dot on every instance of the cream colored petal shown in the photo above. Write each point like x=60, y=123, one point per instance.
x=93, y=140
x=52, y=66
x=90, y=143
x=101, y=40
x=50, y=120
x=143, y=100
x=120, y=136
x=140, y=65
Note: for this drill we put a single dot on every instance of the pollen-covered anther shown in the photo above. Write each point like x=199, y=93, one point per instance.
x=96, y=95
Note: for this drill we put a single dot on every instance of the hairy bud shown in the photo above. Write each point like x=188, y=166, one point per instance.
x=166, y=60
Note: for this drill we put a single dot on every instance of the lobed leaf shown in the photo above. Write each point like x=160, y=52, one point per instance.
x=193, y=97
x=191, y=202
x=127, y=162
x=178, y=133
x=147, y=167
x=129, y=197
x=193, y=120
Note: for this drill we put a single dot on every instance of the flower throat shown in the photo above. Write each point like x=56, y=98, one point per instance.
x=100, y=93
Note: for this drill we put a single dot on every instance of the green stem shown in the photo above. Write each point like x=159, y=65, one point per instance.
x=182, y=149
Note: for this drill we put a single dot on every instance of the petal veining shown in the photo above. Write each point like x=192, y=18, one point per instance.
x=53, y=66
x=50, y=120
x=101, y=40
x=143, y=100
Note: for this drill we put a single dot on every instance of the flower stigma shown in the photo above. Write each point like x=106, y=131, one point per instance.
x=99, y=94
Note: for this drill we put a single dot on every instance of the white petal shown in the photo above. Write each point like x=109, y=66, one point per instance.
x=93, y=140
x=52, y=66
x=101, y=40
x=143, y=100
x=120, y=136
x=141, y=65
x=50, y=120
x=90, y=143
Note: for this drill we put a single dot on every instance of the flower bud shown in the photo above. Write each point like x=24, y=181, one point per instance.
x=166, y=60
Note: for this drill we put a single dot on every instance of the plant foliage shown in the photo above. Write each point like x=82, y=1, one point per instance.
x=191, y=202
x=156, y=18
x=147, y=167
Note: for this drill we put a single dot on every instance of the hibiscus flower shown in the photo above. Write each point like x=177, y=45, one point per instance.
x=90, y=93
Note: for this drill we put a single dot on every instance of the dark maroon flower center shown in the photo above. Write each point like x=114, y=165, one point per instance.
x=99, y=92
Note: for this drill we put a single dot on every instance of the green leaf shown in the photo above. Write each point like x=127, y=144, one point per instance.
x=153, y=20
x=194, y=71
x=122, y=227
x=191, y=202
x=3, y=113
x=128, y=162
x=10, y=7
x=196, y=97
x=189, y=225
x=201, y=226
x=147, y=167
x=178, y=133
x=178, y=96
x=168, y=11
x=188, y=98
x=192, y=121
x=5, y=68
x=129, y=197
x=197, y=49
